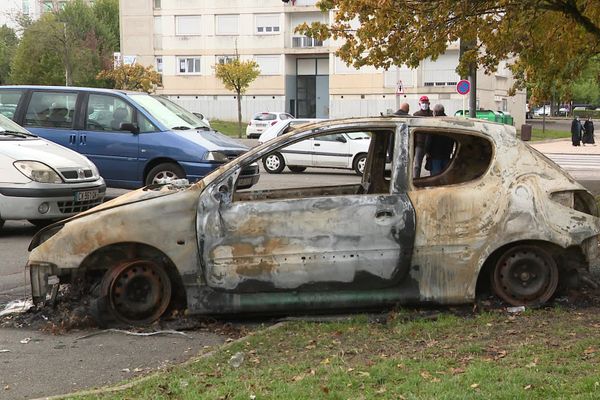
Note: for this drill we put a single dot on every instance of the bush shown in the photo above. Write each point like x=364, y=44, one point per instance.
x=595, y=114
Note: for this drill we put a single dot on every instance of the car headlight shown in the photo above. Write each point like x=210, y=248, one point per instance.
x=215, y=156
x=95, y=172
x=37, y=171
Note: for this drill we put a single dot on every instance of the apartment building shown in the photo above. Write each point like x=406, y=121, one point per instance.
x=300, y=75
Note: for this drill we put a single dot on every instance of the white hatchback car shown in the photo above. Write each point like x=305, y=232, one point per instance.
x=41, y=181
x=284, y=126
x=261, y=121
x=343, y=150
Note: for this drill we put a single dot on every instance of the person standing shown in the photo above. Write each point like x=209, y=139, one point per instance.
x=576, y=129
x=588, y=135
x=439, y=147
x=420, y=138
x=403, y=110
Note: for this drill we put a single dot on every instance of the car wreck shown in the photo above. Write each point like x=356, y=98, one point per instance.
x=499, y=215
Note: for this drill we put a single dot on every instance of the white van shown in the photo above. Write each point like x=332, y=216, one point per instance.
x=41, y=181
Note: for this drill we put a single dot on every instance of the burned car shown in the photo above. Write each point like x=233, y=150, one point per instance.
x=500, y=215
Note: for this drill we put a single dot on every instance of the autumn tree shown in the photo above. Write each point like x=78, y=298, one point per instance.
x=132, y=77
x=549, y=41
x=237, y=76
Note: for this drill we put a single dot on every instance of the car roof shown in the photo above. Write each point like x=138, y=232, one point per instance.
x=71, y=88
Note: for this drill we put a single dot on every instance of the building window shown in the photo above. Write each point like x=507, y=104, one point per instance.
x=188, y=65
x=158, y=62
x=187, y=25
x=225, y=59
x=267, y=24
x=305, y=41
x=156, y=3
x=269, y=65
x=25, y=7
x=47, y=6
x=227, y=24
x=504, y=105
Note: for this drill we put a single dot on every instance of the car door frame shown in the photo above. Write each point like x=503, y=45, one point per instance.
x=248, y=263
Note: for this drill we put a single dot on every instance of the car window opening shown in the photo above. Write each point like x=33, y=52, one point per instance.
x=469, y=157
x=375, y=158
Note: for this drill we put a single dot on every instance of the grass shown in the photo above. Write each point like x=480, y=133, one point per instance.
x=539, y=354
x=228, y=128
x=538, y=134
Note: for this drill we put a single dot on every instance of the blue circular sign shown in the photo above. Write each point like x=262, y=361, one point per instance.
x=463, y=87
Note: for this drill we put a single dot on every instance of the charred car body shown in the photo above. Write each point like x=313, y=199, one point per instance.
x=500, y=213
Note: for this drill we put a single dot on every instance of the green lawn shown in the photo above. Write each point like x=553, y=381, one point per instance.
x=228, y=128
x=537, y=134
x=409, y=354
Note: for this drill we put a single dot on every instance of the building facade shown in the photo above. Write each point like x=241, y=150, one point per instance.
x=11, y=10
x=300, y=75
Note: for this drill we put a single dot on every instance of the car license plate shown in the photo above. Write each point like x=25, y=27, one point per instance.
x=261, y=124
x=87, y=195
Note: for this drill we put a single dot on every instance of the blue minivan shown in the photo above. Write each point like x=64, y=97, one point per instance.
x=134, y=138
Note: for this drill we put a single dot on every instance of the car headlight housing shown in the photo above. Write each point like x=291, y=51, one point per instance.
x=37, y=171
x=95, y=172
x=215, y=156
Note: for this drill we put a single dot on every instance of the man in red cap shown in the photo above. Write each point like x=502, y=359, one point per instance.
x=420, y=138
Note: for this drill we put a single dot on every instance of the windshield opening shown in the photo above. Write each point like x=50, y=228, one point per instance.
x=168, y=113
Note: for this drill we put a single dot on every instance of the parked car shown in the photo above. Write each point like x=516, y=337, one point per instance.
x=545, y=110
x=134, y=139
x=262, y=121
x=284, y=126
x=41, y=181
x=341, y=150
x=500, y=214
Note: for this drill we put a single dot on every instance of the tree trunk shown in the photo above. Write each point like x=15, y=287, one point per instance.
x=239, y=104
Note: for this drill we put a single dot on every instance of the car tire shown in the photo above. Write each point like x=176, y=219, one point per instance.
x=164, y=171
x=359, y=163
x=134, y=292
x=274, y=163
x=296, y=169
x=525, y=275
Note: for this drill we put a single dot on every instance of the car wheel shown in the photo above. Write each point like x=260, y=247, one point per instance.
x=165, y=171
x=41, y=223
x=296, y=169
x=359, y=164
x=135, y=292
x=274, y=163
x=525, y=275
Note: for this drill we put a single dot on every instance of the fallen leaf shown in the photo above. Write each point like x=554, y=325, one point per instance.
x=528, y=387
x=475, y=386
x=325, y=362
x=425, y=375
x=325, y=389
x=364, y=374
x=456, y=371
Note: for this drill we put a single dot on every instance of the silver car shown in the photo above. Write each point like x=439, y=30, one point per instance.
x=41, y=181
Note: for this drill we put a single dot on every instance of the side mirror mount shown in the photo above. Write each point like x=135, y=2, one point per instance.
x=340, y=138
x=129, y=126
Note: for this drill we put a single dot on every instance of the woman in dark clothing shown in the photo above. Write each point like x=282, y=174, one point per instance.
x=576, y=129
x=588, y=136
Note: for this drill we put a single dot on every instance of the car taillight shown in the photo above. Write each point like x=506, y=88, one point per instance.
x=273, y=123
x=250, y=123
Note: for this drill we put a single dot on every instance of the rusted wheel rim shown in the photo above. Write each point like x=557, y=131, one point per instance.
x=138, y=292
x=525, y=275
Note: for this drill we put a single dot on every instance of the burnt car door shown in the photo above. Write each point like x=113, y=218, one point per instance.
x=346, y=237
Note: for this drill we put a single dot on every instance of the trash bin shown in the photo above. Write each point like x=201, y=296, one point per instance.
x=526, y=132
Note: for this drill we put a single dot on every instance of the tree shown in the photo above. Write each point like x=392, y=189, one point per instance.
x=8, y=45
x=237, y=76
x=549, y=41
x=73, y=41
x=132, y=77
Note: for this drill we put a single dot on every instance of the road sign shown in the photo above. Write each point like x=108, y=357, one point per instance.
x=463, y=87
x=399, y=88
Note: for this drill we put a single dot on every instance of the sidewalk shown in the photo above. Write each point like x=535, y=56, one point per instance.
x=564, y=146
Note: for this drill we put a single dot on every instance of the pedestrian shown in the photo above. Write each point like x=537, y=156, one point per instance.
x=403, y=110
x=588, y=135
x=439, y=147
x=420, y=138
x=576, y=130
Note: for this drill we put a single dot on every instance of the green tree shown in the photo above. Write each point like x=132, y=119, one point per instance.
x=237, y=76
x=132, y=77
x=549, y=41
x=76, y=37
x=8, y=45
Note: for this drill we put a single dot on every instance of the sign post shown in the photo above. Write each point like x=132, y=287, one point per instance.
x=463, y=88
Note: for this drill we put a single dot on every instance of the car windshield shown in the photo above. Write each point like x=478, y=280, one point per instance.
x=265, y=117
x=9, y=127
x=167, y=112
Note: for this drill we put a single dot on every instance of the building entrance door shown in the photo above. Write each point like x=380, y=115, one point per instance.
x=312, y=88
x=307, y=92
